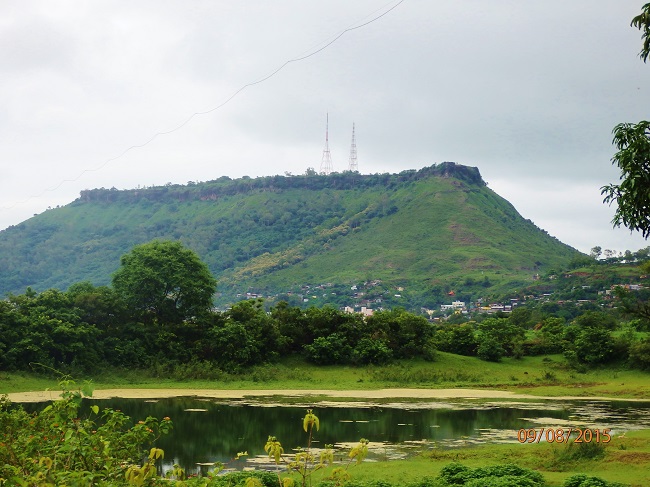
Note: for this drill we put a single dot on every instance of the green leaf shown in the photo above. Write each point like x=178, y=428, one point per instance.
x=87, y=388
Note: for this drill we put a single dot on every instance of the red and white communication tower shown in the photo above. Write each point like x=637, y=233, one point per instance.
x=353, y=166
x=326, y=162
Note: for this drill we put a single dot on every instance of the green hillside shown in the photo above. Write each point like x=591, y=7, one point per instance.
x=421, y=233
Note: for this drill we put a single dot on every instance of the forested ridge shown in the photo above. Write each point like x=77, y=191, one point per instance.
x=225, y=186
x=422, y=231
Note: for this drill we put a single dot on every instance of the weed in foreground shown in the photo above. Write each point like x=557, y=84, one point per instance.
x=66, y=445
x=408, y=375
x=306, y=461
x=565, y=458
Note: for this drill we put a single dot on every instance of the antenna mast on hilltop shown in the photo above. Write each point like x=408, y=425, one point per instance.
x=354, y=165
x=326, y=161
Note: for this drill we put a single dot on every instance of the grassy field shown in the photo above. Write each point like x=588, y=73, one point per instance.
x=537, y=376
x=625, y=460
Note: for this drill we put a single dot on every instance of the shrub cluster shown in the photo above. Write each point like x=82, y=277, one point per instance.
x=586, y=341
x=67, y=445
x=87, y=328
x=506, y=475
x=582, y=480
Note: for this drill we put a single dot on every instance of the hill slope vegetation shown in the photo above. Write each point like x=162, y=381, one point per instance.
x=419, y=233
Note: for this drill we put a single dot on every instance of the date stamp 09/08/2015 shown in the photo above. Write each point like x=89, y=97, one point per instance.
x=562, y=435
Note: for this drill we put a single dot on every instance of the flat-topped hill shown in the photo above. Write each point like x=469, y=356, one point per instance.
x=420, y=233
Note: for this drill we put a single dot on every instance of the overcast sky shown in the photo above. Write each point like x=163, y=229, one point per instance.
x=527, y=91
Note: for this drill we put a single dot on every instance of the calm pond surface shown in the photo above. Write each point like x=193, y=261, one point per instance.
x=212, y=430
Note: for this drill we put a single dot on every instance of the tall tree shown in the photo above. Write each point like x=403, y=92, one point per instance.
x=166, y=281
x=633, y=158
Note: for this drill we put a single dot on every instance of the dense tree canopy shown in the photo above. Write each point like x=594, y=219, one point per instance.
x=88, y=328
x=166, y=281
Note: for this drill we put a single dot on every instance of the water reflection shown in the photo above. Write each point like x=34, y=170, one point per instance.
x=208, y=430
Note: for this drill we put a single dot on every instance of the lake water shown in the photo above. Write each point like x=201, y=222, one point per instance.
x=209, y=430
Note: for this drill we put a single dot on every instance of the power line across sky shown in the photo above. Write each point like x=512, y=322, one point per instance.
x=375, y=16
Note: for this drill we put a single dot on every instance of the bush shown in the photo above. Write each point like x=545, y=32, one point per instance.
x=458, y=339
x=576, y=452
x=506, y=481
x=198, y=370
x=640, y=354
x=429, y=352
x=592, y=450
x=425, y=482
x=541, y=346
x=333, y=349
x=498, y=337
x=352, y=483
x=490, y=349
x=640, y=324
x=504, y=475
x=622, y=344
x=589, y=346
x=596, y=319
x=266, y=479
x=582, y=480
x=370, y=351
x=64, y=445
x=455, y=473
x=404, y=333
x=233, y=345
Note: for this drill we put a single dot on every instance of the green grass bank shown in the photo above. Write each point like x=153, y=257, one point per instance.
x=625, y=459
x=538, y=376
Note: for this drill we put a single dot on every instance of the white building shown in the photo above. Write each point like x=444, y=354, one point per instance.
x=453, y=306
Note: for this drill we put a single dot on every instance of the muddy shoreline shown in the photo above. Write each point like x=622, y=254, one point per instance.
x=41, y=396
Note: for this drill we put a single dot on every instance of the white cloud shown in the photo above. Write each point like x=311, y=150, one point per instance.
x=526, y=91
